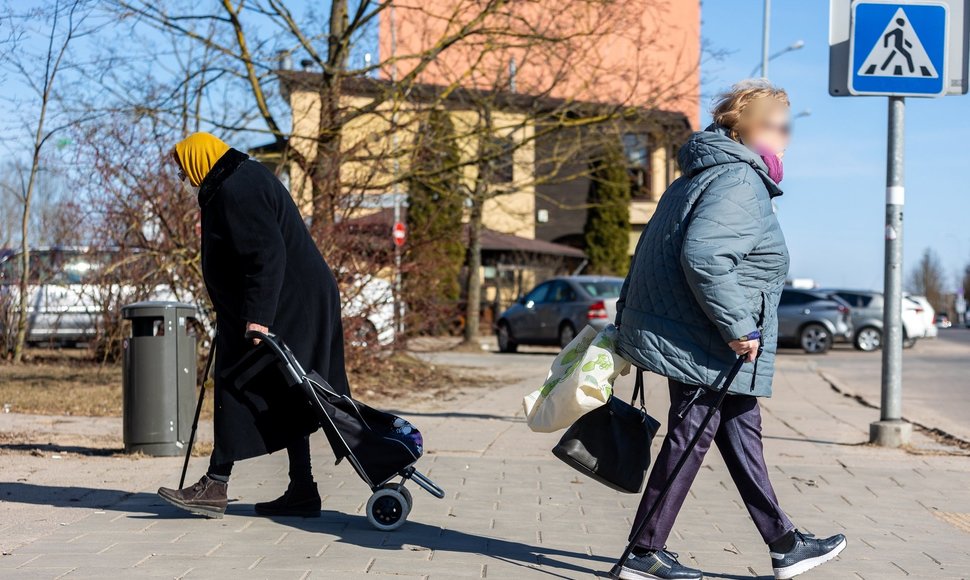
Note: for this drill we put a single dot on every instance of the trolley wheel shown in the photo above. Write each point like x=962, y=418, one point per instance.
x=404, y=491
x=387, y=509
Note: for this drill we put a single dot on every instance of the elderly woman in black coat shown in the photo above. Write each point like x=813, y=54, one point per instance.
x=263, y=272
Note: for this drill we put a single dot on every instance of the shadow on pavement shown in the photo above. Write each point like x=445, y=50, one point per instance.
x=456, y=415
x=347, y=528
x=59, y=496
x=355, y=530
x=55, y=448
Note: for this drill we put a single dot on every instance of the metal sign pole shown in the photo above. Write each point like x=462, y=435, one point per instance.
x=891, y=430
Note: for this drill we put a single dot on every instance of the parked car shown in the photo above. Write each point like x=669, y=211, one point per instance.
x=66, y=298
x=812, y=319
x=866, y=309
x=64, y=304
x=368, y=311
x=927, y=315
x=553, y=312
x=943, y=321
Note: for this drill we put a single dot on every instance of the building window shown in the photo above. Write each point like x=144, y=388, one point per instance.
x=501, y=164
x=636, y=148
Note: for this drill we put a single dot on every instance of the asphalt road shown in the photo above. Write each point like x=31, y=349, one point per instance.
x=936, y=378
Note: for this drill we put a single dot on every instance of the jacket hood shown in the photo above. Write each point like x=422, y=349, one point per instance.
x=712, y=147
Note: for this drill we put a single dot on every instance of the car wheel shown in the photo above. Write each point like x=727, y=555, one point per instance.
x=505, y=342
x=815, y=339
x=868, y=339
x=566, y=334
x=908, y=342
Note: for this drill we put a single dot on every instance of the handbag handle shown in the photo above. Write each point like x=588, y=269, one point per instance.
x=638, y=391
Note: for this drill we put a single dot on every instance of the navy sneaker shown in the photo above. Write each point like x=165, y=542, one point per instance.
x=807, y=553
x=656, y=565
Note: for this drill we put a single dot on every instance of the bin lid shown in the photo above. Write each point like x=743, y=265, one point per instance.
x=155, y=308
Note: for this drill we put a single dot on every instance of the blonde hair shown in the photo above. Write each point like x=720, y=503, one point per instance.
x=729, y=106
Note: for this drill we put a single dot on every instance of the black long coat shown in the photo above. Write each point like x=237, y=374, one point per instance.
x=260, y=265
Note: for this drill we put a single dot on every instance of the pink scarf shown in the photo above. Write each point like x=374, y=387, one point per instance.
x=776, y=169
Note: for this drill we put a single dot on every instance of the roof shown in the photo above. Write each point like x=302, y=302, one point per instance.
x=491, y=240
x=463, y=96
x=499, y=242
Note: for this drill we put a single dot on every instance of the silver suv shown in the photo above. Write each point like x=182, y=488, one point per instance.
x=812, y=319
x=867, y=319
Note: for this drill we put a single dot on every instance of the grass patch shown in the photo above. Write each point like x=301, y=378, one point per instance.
x=67, y=382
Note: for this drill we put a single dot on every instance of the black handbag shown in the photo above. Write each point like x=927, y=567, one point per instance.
x=611, y=444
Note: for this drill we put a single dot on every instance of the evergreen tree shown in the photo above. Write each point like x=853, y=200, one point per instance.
x=434, y=253
x=607, y=230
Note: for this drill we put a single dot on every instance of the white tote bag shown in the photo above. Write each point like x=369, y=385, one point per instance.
x=580, y=380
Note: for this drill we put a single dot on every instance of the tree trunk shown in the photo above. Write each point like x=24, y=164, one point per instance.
x=22, y=305
x=474, y=281
x=325, y=169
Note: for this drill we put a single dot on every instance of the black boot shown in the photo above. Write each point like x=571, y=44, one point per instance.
x=300, y=499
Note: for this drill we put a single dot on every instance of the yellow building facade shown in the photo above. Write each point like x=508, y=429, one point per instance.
x=377, y=144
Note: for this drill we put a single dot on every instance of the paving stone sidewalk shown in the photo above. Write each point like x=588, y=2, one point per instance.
x=512, y=511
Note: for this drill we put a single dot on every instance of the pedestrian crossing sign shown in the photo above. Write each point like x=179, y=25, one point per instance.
x=898, y=48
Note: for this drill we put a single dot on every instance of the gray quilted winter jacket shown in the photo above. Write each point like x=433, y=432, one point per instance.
x=708, y=268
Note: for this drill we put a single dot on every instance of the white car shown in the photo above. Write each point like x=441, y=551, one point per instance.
x=66, y=303
x=368, y=310
x=927, y=315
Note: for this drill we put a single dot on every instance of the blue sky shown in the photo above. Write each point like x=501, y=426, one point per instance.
x=833, y=210
x=833, y=207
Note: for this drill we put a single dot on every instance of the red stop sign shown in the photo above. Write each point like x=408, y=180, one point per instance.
x=399, y=233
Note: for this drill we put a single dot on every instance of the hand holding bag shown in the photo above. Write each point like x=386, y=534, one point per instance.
x=611, y=444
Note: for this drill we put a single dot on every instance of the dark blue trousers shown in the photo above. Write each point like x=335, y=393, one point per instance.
x=736, y=430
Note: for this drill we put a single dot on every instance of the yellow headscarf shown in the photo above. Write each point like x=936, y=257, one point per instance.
x=197, y=153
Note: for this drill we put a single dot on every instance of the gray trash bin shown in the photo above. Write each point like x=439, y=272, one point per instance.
x=158, y=377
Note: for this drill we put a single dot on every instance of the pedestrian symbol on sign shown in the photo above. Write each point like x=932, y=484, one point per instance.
x=898, y=53
x=898, y=48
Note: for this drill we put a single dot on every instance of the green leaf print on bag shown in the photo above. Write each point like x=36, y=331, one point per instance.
x=555, y=380
x=571, y=356
x=602, y=361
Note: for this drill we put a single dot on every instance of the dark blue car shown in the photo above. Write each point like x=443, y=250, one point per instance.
x=553, y=312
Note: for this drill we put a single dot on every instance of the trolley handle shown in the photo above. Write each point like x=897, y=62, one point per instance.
x=290, y=366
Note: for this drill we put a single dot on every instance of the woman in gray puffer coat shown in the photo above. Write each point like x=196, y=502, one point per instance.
x=703, y=289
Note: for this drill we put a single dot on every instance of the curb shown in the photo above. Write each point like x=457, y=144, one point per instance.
x=935, y=433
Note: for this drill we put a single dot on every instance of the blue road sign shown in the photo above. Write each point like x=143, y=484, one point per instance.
x=898, y=48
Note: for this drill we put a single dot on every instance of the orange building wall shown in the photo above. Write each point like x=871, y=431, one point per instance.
x=643, y=53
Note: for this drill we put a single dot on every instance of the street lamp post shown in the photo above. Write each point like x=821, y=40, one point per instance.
x=797, y=45
x=765, y=35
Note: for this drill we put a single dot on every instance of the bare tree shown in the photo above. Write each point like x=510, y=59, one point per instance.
x=965, y=281
x=483, y=37
x=928, y=279
x=40, y=73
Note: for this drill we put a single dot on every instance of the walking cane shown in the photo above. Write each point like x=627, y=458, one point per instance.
x=721, y=394
x=198, y=409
